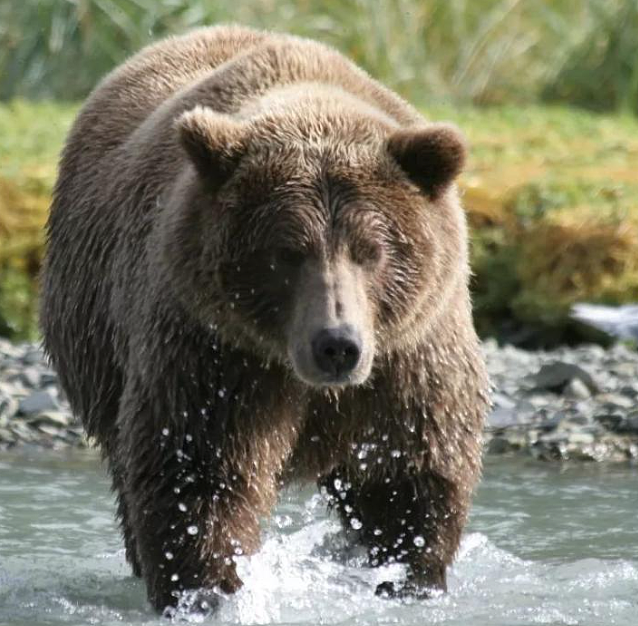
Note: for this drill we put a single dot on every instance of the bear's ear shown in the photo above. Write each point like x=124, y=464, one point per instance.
x=214, y=142
x=431, y=156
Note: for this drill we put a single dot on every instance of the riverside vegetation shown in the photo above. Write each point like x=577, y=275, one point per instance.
x=551, y=196
x=551, y=192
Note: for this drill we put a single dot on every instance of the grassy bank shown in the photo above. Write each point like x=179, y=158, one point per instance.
x=551, y=194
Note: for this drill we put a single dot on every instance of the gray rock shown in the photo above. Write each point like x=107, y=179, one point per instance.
x=6, y=436
x=625, y=370
x=51, y=418
x=550, y=450
x=540, y=400
x=34, y=356
x=557, y=375
x=52, y=431
x=615, y=401
x=610, y=421
x=525, y=409
x=30, y=377
x=499, y=445
x=631, y=391
x=502, y=401
x=554, y=438
x=38, y=402
x=48, y=377
x=578, y=420
x=619, y=321
x=581, y=438
x=22, y=432
x=577, y=389
x=8, y=406
x=552, y=423
x=502, y=418
x=629, y=425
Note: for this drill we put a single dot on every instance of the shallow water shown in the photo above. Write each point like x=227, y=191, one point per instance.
x=545, y=545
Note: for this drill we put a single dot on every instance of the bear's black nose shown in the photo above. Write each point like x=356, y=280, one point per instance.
x=337, y=350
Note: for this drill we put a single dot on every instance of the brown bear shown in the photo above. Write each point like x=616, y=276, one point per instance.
x=257, y=272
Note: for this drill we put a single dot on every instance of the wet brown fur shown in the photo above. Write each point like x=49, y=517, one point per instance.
x=167, y=312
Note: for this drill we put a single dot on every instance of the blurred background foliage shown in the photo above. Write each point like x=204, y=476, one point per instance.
x=546, y=90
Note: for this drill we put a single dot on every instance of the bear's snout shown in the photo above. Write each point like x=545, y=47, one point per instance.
x=331, y=341
x=337, y=350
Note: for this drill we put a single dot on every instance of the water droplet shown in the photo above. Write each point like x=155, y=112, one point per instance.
x=165, y=432
x=175, y=577
x=221, y=393
x=418, y=541
x=192, y=530
x=189, y=438
x=395, y=454
x=168, y=555
x=182, y=507
x=356, y=524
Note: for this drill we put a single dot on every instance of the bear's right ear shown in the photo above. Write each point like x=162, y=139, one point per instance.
x=214, y=142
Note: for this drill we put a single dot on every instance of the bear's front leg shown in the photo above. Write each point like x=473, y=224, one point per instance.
x=195, y=491
x=408, y=517
x=191, y=518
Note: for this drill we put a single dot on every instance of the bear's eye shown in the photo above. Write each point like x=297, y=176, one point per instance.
x=367, y=253
x=289, y=257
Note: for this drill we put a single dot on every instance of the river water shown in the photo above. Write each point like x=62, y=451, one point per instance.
x=545, y=545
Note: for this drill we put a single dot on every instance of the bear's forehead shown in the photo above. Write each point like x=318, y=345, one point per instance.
x=322, y=211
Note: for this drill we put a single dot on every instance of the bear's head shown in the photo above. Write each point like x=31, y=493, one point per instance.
x=321, y=236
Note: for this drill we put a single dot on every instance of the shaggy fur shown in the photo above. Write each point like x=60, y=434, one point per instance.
x=222, y=196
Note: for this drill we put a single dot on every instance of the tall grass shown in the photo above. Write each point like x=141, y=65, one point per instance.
x=480, y=51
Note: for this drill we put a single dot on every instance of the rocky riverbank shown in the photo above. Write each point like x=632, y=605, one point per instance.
x=568, y=404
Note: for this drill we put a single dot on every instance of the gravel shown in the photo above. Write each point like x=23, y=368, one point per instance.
x=567, y=404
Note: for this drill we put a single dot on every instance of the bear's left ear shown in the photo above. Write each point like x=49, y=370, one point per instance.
x=214, y=142
x=431, y=156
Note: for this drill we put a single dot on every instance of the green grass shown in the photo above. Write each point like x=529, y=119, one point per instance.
x=478, y=51
x=551, y=195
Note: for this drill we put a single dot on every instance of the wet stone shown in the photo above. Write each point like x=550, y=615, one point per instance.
x=38, y=402
x=576, y=388
x=501, y=417
x=499, y=445
x=631, y=391
x=51, y=418
x=615, y=401
x=8, y=407
x=609, y=421
x=30, y=377
x=557, y=375
x=629, y=425
x=571, y=403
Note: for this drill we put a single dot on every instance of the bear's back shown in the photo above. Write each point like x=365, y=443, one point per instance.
x=172, y=68
x=128, y=95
